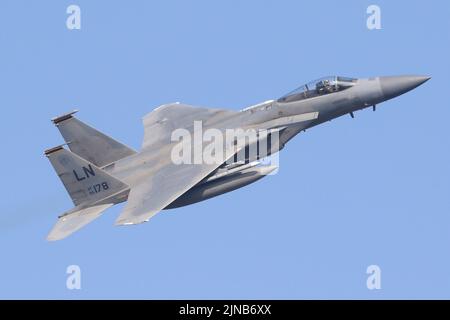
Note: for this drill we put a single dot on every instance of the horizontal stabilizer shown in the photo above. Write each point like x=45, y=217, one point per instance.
x=74, y=221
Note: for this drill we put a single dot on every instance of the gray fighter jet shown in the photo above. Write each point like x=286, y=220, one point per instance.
x=99, y=172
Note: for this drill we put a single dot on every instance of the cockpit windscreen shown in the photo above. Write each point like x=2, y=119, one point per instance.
x=318, y=87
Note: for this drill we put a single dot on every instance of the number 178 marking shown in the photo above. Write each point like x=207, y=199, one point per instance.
x=96, y=188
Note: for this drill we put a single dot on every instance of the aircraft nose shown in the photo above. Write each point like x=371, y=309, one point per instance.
x=395, y=86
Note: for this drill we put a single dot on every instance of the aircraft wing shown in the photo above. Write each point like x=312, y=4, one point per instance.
x=161, y=122
x=159, y=190
x=161, y=180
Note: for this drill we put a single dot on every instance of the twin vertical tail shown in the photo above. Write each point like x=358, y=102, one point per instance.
x=91, y=188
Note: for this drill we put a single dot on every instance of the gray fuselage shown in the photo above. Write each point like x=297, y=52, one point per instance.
x=330, y=98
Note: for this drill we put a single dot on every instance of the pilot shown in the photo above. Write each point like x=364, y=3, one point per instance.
x=324, y=87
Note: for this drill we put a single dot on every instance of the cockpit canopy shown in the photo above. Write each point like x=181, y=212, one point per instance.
x=318, y=87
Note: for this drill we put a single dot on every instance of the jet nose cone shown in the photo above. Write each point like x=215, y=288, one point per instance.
x=395, y=86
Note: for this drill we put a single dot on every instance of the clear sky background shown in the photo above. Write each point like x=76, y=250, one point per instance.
x=349, y=194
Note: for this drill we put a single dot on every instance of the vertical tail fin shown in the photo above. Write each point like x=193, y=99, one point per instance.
x=85, y=182
x=89, y=143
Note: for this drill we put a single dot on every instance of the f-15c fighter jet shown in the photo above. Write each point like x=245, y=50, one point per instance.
x=99, y=172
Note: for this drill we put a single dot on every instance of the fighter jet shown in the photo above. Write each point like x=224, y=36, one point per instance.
x=99, y=172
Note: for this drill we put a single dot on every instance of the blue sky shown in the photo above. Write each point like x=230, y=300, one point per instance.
x=349, y=194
